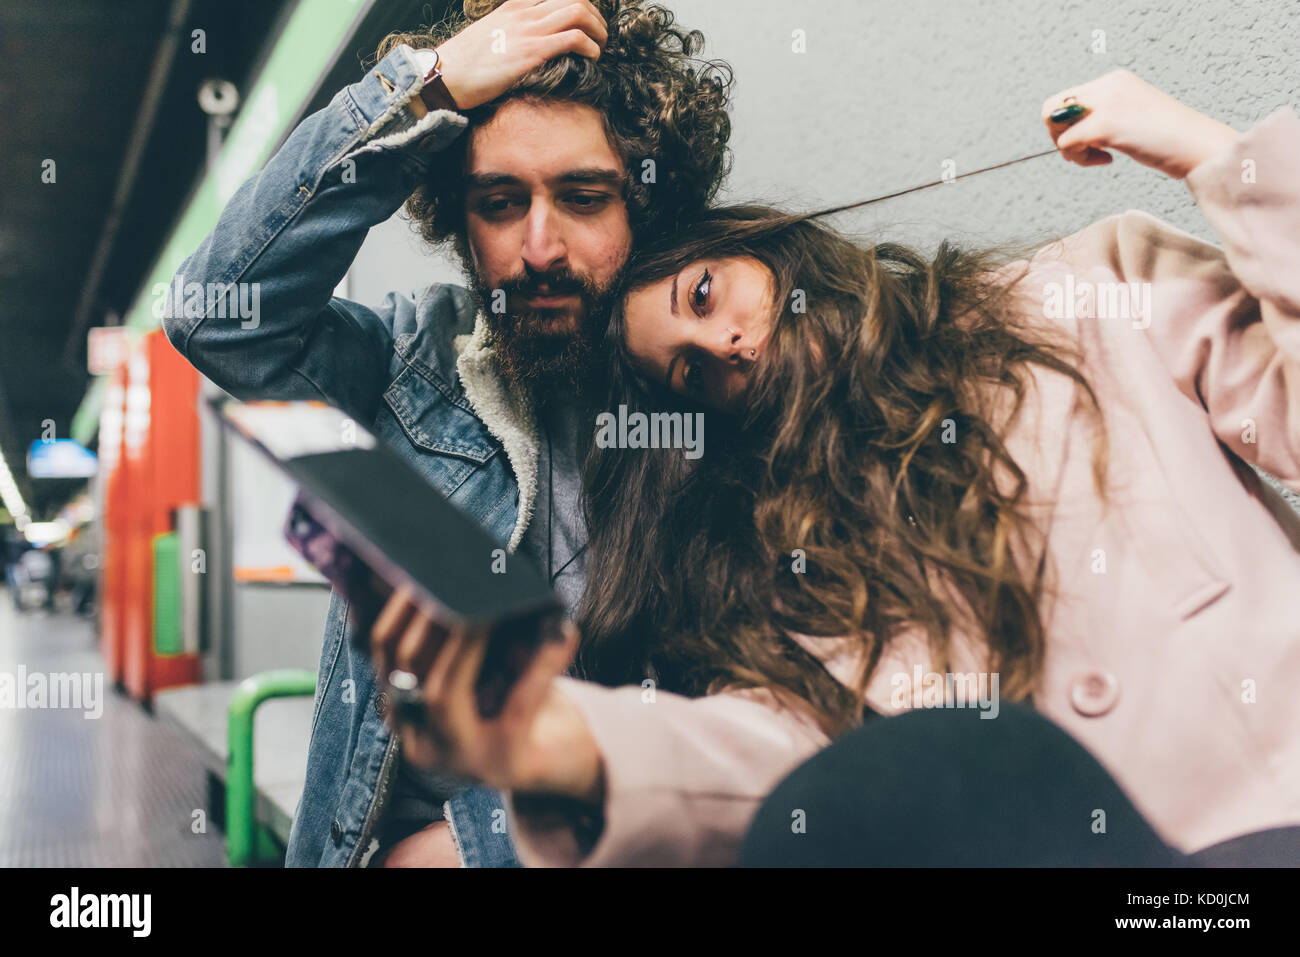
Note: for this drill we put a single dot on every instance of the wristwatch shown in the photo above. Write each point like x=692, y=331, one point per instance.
x=434, y=93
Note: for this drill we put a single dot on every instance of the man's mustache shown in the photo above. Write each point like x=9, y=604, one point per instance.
x=550, y=284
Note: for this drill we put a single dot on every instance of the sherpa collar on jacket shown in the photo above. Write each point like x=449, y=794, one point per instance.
x=507, y=411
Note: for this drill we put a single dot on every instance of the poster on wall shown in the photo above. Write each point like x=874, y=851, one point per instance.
x=261, y=498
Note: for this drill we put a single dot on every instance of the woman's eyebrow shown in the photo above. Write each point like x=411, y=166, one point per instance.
x=673, y=297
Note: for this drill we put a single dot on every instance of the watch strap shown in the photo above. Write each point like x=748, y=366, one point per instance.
x=434, y=93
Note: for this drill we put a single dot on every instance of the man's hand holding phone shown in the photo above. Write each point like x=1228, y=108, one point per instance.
x=538, y=742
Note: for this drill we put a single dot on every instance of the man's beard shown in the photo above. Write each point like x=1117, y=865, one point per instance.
x=546, y=349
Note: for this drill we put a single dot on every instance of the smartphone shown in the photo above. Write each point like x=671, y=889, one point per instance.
x=512, y=642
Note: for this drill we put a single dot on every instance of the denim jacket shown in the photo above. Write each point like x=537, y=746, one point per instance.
x=418, y=373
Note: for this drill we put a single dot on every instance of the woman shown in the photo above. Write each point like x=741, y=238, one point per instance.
x=1011, y=471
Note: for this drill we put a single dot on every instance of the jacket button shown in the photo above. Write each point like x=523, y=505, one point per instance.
x=1094, y=693
x=336, y=833
x=381, y=703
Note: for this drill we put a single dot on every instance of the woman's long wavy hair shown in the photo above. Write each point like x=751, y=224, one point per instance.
x=866, y=489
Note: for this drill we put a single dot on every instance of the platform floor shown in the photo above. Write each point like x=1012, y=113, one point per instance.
x=120, y=790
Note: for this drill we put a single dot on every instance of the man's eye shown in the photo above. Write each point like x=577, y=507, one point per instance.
x=495, y=205
x=700, y=294
x=588, y=202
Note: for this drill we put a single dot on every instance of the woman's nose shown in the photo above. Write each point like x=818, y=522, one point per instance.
x=730, y=346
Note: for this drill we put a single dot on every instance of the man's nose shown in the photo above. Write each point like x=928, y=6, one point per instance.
x=544, y=249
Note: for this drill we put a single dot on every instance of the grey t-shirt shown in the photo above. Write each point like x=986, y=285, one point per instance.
x=556, y=538
x=555, y=542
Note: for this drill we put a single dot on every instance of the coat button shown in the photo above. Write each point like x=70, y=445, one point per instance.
x=381, y=703
x=1094, y=693
x=336, y=833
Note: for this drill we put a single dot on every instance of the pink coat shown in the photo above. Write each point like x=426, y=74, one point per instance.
x=1174, y=633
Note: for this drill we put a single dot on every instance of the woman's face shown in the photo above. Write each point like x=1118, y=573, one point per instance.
x=700, y=331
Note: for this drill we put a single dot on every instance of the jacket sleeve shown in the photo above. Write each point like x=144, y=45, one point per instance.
x=1230, y=335
x=683, y=777
x=287, y=237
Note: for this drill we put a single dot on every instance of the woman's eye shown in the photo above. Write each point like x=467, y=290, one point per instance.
x=694, y=378
x=700, y=294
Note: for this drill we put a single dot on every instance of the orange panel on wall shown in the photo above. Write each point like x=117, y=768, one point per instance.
x=159, y=472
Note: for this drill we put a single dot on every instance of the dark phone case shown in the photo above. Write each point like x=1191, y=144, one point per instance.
x=512, y=643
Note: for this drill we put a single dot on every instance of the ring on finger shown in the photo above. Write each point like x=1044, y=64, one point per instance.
x=406, y=695
x=1069, y=111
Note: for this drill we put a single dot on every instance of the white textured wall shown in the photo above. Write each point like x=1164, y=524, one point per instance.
x=887, y=91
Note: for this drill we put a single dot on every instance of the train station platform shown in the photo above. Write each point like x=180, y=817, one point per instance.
x=105, y=784
x=93, y=779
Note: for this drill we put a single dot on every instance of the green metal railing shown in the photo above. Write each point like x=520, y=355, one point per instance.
x=246, y=842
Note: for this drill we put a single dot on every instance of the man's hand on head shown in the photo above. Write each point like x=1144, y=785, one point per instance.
x=489, y=56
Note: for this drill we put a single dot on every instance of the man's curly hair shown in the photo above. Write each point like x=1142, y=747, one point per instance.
x=658, y=102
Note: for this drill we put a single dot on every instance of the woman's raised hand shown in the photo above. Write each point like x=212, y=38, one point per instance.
x=1124, y=113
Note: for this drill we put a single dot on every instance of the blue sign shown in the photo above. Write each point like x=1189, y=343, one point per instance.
x=60, y=458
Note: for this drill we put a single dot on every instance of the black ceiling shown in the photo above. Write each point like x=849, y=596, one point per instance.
x=73, y=74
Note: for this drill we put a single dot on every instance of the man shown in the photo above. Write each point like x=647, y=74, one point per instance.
x=541, y=138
